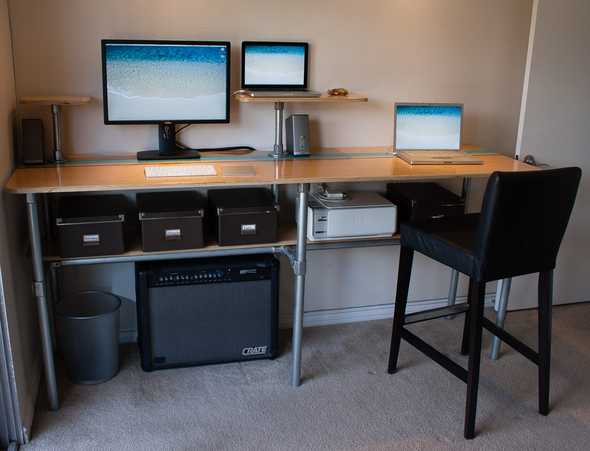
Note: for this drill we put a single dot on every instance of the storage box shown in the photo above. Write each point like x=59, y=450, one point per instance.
x=171, y=220
x=243, y=216
x=91, y=225
x=424, y=200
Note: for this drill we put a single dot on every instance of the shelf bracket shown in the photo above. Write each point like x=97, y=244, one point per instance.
x=298, y=266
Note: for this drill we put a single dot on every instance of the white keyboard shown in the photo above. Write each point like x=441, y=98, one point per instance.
x=181, y=170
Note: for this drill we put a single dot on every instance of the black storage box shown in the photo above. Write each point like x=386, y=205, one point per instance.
x=171, y=220
x=424, y=200
x=196, y=312
x=243, y=216
x=91, y=225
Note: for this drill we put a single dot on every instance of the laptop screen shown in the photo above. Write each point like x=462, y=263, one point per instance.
x=428, y=126
x=278, y=65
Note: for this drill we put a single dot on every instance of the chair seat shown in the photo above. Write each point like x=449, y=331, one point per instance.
x=449, y=240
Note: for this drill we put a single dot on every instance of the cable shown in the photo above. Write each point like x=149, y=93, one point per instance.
x=217, y=149
x=224, y=149
x=182, y=129
x=214, y=149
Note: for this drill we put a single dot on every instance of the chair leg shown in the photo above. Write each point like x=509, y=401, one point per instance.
x=476, y=303
x=465, y=340
x=545, y=306
x=401, y=299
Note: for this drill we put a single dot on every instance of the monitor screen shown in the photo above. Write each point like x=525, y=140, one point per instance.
x=161, y=81
x=432, y=126
x=268, y=65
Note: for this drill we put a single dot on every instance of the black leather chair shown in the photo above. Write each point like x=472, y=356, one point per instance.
x=519, y=231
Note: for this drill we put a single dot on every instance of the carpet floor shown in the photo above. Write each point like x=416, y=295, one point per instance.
x=347, y=400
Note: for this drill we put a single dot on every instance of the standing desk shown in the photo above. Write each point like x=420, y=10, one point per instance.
x=36, y=183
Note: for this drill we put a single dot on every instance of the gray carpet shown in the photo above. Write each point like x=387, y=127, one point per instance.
x=347, y=402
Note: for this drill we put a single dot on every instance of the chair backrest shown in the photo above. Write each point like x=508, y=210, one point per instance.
x=523, y=219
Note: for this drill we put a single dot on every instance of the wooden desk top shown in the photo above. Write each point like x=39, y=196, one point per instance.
x=118, y=177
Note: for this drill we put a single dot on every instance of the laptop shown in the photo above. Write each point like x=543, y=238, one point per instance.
x=275, y=69
x=430, y=133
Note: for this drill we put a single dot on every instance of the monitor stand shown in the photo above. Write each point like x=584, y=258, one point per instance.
x=168, y=149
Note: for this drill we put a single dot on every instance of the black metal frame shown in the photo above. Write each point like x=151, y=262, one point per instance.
x=475, y=322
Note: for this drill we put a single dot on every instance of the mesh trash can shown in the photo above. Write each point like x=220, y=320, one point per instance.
x=88, y=335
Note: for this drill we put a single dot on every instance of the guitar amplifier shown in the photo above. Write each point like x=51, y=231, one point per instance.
x=195, y=312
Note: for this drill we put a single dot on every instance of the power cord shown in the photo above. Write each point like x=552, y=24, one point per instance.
x=217, y=149
x=213, y=149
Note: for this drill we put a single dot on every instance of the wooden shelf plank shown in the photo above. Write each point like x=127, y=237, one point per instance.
x=55, y=100
x=287, y=237
x=324, y=98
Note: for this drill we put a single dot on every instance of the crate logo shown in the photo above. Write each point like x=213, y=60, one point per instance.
x=254, y=350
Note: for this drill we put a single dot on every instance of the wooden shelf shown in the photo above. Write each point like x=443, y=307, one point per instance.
x=324, y=98
x=287, y=237
x=55, y=100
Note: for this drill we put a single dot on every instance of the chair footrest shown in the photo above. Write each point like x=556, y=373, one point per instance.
x=441, y=312
x=452, y=367
x=511, y=341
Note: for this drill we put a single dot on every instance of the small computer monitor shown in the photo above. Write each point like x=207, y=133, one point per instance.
x=153, y=82
x=433, y=126
x=274, y=65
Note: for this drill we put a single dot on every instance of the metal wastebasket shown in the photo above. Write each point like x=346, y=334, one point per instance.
x=88, y=335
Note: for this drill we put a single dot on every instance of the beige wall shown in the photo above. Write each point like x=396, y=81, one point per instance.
x=556, y=132
x=469, y=51
x=19, y=307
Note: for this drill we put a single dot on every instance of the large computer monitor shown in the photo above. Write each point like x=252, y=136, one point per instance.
x=431, y=126
x=166, y=83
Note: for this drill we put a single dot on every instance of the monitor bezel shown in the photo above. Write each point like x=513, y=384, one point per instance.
x=108, y=121
x=398, y=104
x=302, y=87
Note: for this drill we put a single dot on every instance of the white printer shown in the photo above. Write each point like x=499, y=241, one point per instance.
x=350, y=215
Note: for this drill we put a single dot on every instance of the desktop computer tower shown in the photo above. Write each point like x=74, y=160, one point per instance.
x=201, y=311
x=297, y=134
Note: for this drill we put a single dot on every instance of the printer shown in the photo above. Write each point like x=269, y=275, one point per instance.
x=350, y=215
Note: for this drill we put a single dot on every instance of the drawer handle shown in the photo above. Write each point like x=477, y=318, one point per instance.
x=248, y=229
x=172, y=234
x=437, y=216
x=91, y=239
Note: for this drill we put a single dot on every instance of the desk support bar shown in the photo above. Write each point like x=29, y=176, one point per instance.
x=40, y=294
x=277, y=150
x=501, y=306
x=300, y=270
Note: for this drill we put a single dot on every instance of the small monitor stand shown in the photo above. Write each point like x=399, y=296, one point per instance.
x=168, y=149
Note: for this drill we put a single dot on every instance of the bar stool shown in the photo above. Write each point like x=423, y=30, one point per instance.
x=524, y=216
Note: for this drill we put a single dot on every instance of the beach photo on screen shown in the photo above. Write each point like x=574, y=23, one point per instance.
x=166, y=82
x=428, y=127
x=274, y=65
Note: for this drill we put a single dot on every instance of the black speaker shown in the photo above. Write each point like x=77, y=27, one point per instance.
x=195, y=312
x=32, y=141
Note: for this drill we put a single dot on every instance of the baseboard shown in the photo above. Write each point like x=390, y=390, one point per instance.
x=344, y=315
x=368, y=313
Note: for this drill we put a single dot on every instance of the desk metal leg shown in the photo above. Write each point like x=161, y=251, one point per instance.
x=40, y=295
x=299, y=269
x=452, y=299
x=502, y=294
